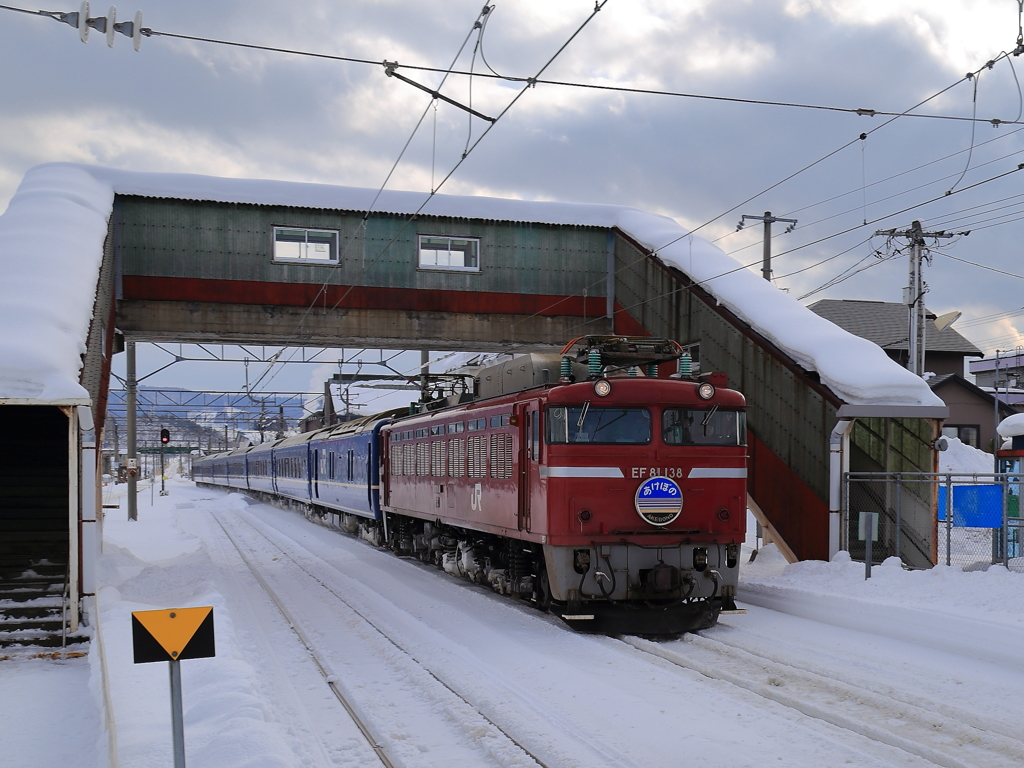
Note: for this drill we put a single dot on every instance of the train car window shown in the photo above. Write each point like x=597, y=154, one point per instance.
x=421, y=432
x=351, y=465
x=703, y=426
x=437, y=430
x=495, y=421
x=583, y=424
x=455, y=427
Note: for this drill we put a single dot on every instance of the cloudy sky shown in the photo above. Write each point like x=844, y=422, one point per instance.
x=189, y=106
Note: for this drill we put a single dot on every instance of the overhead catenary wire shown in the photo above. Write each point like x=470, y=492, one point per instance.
x=597, y=8
x=533, y=81
x=373, y=203
x=810, y=224
x=536, y=80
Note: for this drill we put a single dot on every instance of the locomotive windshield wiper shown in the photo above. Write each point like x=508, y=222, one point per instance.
x=583, y=415
x=707, y=418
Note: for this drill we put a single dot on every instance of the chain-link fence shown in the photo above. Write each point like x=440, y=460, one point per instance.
x=967, y=521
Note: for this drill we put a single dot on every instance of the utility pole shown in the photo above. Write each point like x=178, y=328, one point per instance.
x=768, y=219
x=424, y=375
x=132, y=458
x=913, y=294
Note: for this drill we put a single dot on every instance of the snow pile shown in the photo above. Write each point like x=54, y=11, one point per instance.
x=966, y=613
x=964, y=459
x=67, y=205
x=156, y=563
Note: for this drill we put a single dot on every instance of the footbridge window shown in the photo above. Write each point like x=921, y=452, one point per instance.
x=305, y=246
x=459, y=254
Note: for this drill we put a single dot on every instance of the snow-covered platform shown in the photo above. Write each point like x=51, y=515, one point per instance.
x=908, y=669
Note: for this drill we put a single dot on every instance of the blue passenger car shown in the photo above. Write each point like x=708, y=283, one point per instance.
x=291, y=466
x=259, y=467
x=345, y=467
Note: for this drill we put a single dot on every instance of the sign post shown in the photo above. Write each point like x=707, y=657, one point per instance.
x=172, y=635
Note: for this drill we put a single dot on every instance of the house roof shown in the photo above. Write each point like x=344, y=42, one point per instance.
x=886, y=324
x=938, y=382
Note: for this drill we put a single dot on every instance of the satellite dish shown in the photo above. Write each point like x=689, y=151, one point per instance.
x=83, y=22
x=942, y=322
x=111, y=20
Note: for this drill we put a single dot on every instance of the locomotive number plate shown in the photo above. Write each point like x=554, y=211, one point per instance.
x=659, y=500
x=656, y=472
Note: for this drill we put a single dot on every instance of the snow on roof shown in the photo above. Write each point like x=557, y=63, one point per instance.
x=51, y=248
x=57, y=221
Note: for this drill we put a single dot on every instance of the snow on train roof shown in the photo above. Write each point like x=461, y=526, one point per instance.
x=51, y=242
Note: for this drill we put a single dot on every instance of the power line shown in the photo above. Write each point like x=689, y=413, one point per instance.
x=980, y=266
x=597, y=8
x=326, y=284
x=534, y=81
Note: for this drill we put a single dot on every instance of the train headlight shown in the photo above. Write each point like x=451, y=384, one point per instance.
x=732, y=555
x=700, y=558
x=706, y=391
x=603, y=388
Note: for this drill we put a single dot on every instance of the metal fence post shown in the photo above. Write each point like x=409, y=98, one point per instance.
x=899, y=524
x=1004, y=481
x=949, y=515
x=869, y=525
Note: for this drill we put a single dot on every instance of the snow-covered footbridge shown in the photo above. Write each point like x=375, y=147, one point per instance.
x=93, y=256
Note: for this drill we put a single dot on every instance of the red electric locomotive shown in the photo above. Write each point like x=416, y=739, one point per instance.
x=610, y=496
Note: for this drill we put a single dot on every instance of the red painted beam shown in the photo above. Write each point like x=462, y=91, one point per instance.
x=140, y=288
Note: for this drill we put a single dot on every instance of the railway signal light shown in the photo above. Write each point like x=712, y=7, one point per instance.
x=165, y=436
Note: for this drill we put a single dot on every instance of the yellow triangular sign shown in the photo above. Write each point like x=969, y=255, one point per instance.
x=173, y=628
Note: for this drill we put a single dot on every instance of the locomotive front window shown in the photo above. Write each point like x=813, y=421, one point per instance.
x=583, y=424
x=703, y=426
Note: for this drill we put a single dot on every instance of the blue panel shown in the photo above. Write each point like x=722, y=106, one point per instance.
x=974, y=506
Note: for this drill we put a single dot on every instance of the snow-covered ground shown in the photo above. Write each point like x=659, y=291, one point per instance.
x=826, y=669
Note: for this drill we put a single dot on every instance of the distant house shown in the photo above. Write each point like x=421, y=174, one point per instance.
x=1003, y=374
x=971, y=409
x=887, y=324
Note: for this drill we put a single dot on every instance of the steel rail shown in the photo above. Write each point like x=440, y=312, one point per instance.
x=364, y=728
x=384, y=635
x=774, y=691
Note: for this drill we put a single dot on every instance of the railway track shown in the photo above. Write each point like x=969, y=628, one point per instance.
x=479, y=718
x=935, y=731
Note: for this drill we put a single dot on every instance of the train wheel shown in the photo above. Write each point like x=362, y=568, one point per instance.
x=542, y=593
